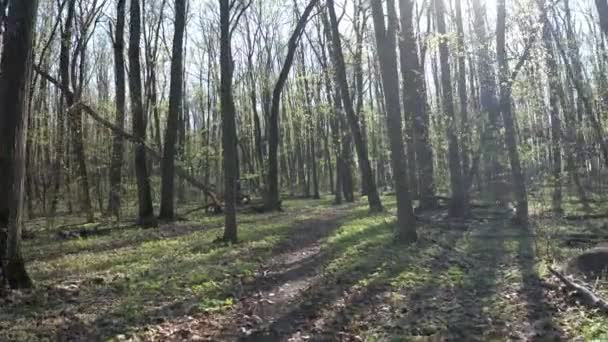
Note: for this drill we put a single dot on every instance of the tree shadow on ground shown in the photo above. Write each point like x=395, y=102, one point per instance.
x=372, y=260
x=538, y=308
x=158, y=280
x=222, y=268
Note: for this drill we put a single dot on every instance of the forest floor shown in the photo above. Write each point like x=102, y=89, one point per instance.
x=312, y=272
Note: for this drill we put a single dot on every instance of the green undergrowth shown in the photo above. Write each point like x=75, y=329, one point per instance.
x=128, y=277
x=483, y=283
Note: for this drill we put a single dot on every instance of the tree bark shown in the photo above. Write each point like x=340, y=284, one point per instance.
x=458, y=205
x=118, y=144
x=67, y=70
x=414, y=100
x=387, y=52
x=228, y=124
x=167, y=197
x=490, y=146
x=521, y=195
x=15, y=72
x=462, y=94
x=602, y=9
x=375, y=205
x=556, y=127
x=272, y=198
x=146, y=210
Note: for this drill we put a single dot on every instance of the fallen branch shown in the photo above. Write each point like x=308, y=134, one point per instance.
x=591, y=298
x=80, y=106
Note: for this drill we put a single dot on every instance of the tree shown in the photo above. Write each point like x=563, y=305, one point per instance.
x=118, y=143
x=387, y=53
x=272, y=201
x=458, y=205
x=228, y=123
x=146, y=211
x=67, y=63
x=556, y=127
x=167, y=196
x=375, y=205
x=15, y=72
x=519, y=184
x=602, y=9
x=414, y=104
x=462, y=93
x=489, y=139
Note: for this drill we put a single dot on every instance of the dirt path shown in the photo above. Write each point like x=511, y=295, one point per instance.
x=281, y=283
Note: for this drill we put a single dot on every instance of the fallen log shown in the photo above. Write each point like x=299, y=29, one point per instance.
x=80, y=106
x=588, y=295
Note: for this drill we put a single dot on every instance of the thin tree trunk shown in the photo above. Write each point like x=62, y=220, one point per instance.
x=462, y=94
x=114, y=204
x=375, y=205
x=556, y=128
x=491, y=147
x=521, y=195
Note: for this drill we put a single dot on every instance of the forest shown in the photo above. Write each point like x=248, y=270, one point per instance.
x=304, y=170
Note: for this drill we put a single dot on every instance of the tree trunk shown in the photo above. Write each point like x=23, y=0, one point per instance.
x=458, y=205
x=75, y=119
x=118, y=144
x=414, y=99
x=490, y=146
x=15, y=72
x=521, y=195
x=228, y=124
x=375, y=205
x=146, y=210
x=387, y=52
x=556, y=128
x=462, y=94
x=167, y=211
x=272, y=200
x=602, y=9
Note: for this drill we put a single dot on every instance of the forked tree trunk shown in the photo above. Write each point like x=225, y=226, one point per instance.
x=414, y=100
x=15, y=72
x=146, y=210
x=458, y=205
x=272, y=198
x=375, y=205
x=75, y=118
x=167, y=195
x=387, y=52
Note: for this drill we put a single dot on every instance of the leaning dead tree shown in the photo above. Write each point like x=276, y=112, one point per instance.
x=92, y=113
